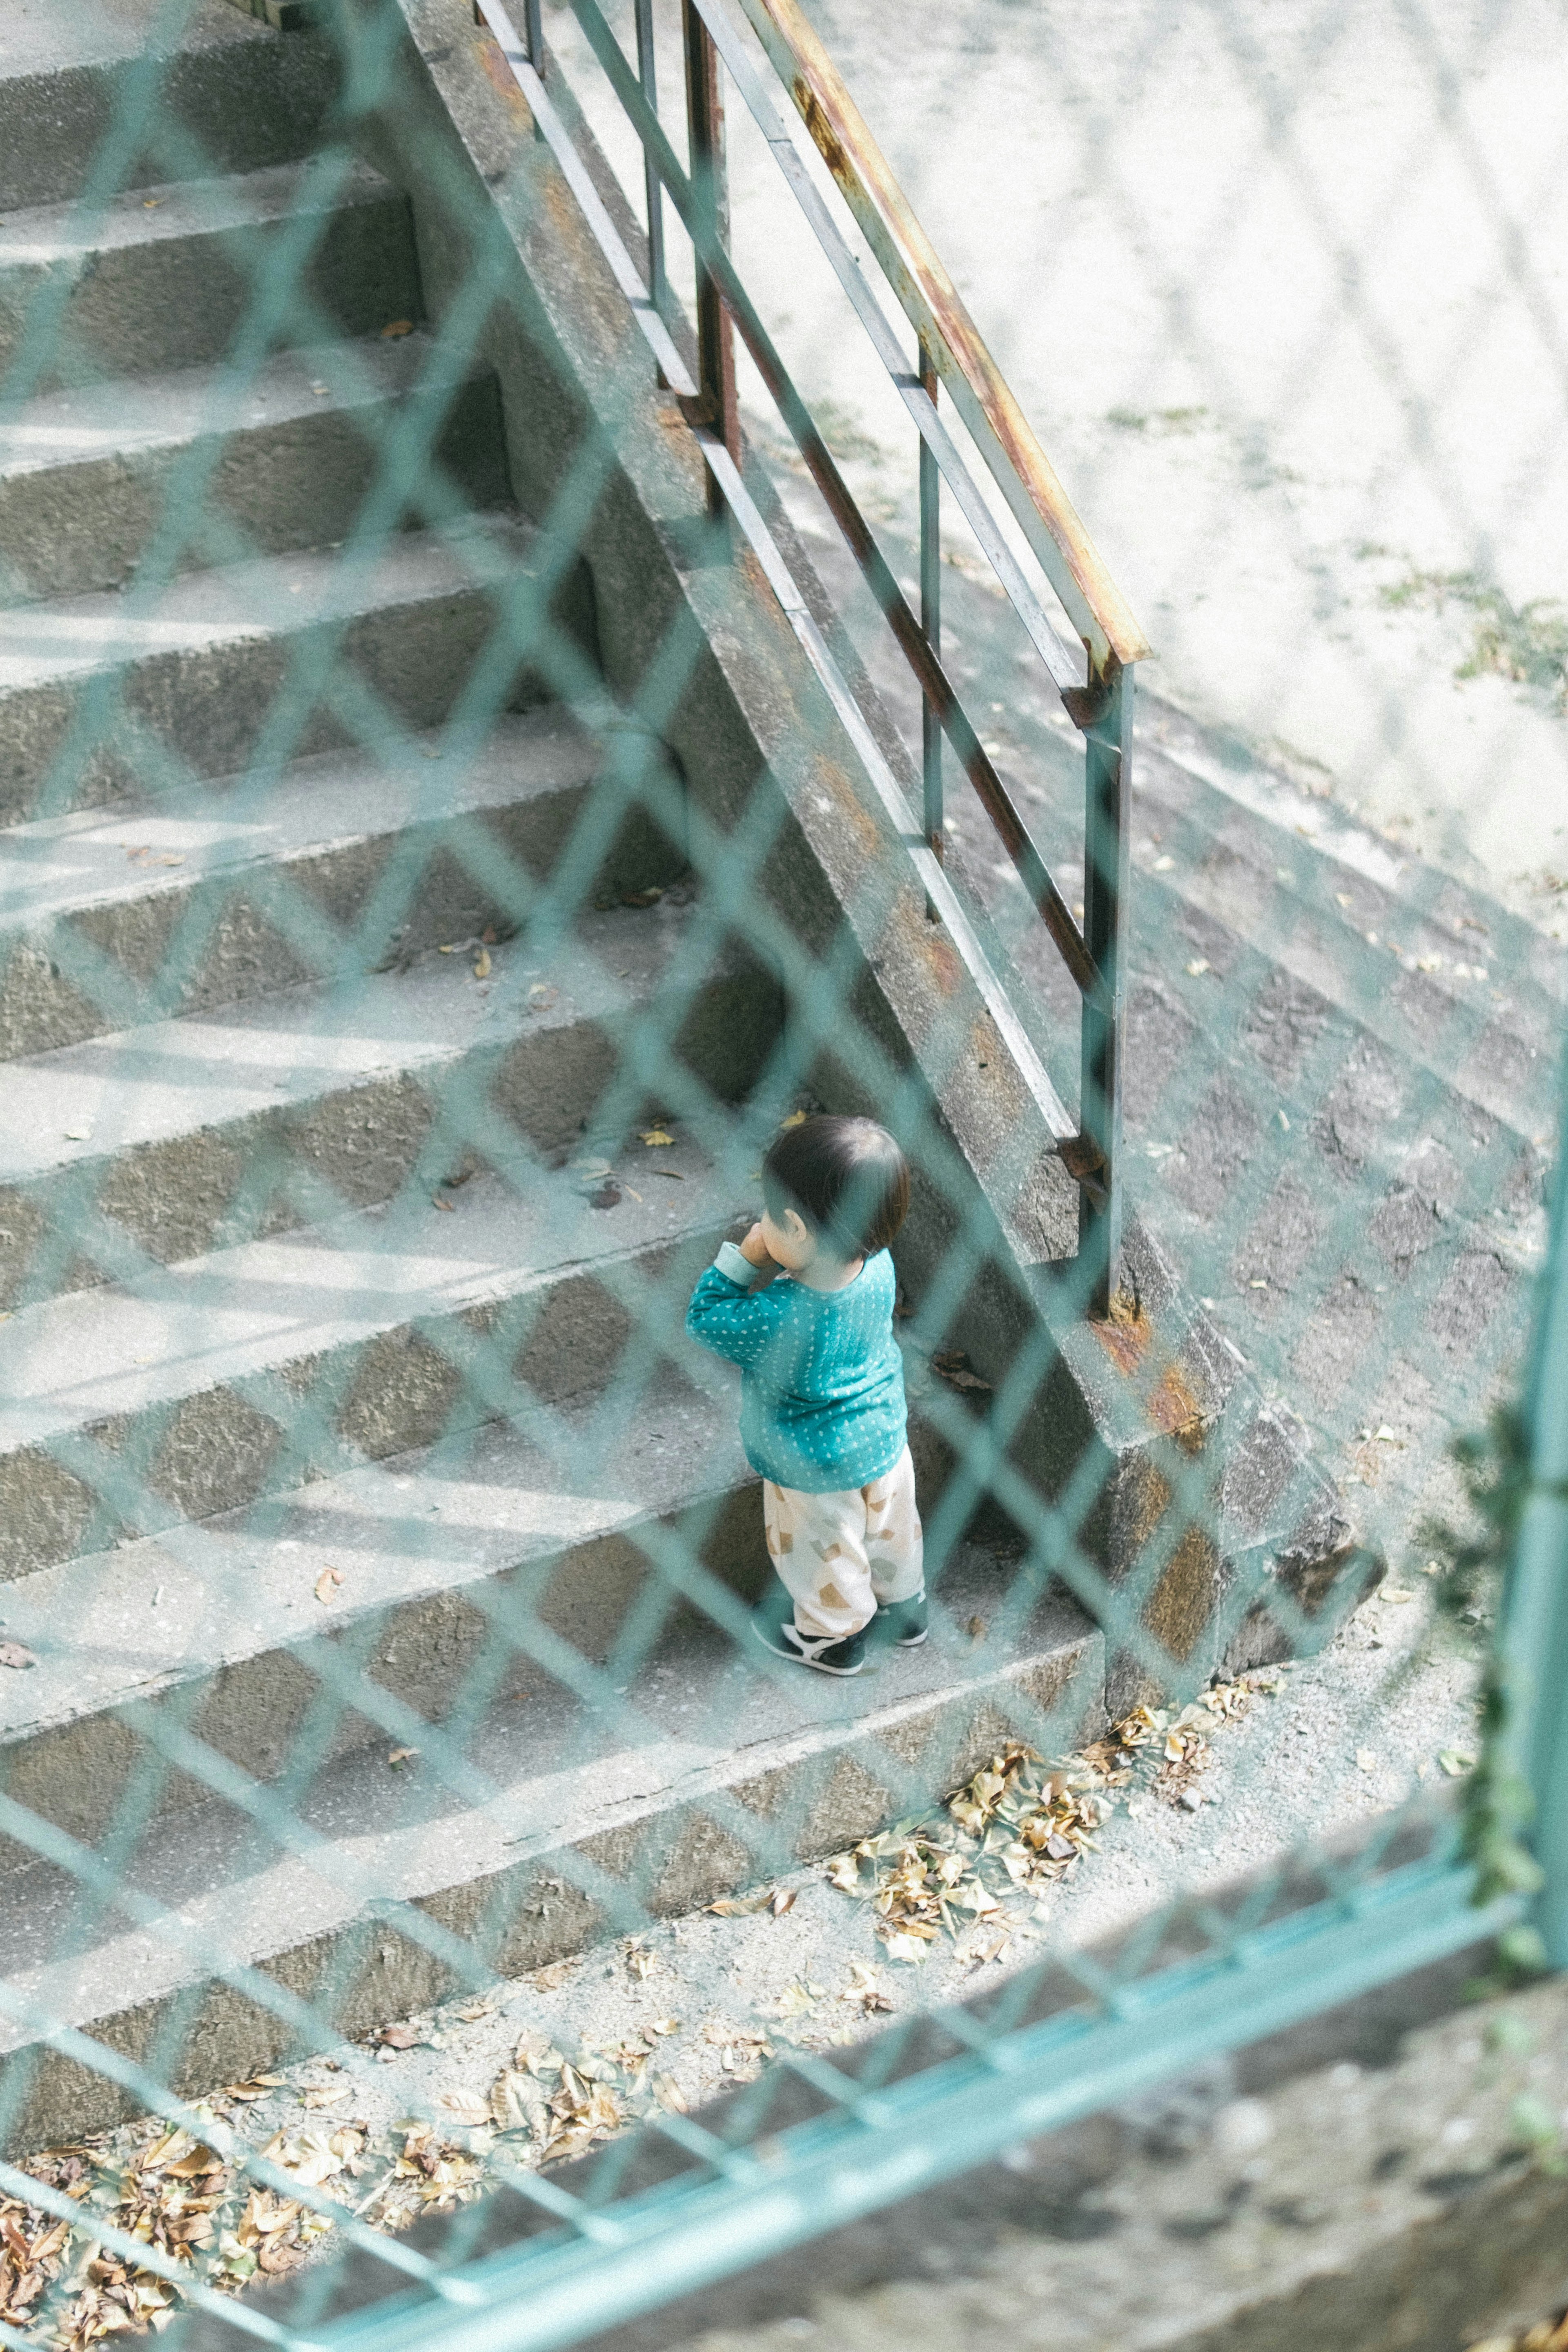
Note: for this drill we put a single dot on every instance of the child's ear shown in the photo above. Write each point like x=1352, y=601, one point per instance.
x=797, y=1229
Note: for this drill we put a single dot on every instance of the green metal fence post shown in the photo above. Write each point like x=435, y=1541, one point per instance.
x=1107, y=846
x=930, y=615
x=1534, y=1633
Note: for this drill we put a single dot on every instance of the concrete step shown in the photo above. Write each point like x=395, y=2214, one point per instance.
x=193, y=1135
x=205, y=1385
x=663, y=1787
x=164, y=278
x=1407, y=956
x=224, y=891
x=287, y=457
x=217, y=669
x=434, y=1549
x=231, y=98
x=1437, y=971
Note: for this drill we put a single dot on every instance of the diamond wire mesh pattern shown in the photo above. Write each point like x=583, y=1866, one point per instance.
x=396, y=1020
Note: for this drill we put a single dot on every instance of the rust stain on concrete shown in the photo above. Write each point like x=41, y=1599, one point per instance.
x=926, y=943
x=500, y=75
x=1173, y=1405
x=1182, y=1604
x=848, y=802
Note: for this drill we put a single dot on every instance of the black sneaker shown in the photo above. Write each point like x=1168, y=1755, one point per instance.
x=903, y=1621
x=820, y=1652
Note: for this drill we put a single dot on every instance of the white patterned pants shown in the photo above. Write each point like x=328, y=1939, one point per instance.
x=840, y=1554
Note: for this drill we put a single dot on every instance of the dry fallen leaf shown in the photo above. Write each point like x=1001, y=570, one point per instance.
x=541, y=996
x=783, y=1900
x=795, y=1118
x=641, y=898
x=517, y=2103
x=325, y=2094
x=312, y=2159
x=1366, y=1760
x=796, y=2000
x=400, y=2037
x=401, y=1755
x=466, y=2107
x=12, y=1653
x=436, y=1202
x=483, y=964
x=397, y=326
x=327, y=1584
x=656, y=1139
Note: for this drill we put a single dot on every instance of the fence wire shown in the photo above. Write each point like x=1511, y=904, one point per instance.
x=446, y=842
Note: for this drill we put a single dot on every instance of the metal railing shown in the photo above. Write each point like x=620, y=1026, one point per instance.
x=1095, y=686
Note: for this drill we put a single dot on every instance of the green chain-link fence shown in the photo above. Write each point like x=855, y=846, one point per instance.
x=450, y=828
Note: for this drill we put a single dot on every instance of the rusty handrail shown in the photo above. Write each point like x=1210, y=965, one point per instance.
x=951, y=349
x=934, y=307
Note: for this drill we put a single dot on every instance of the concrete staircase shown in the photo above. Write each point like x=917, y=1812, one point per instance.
x=335, y=1415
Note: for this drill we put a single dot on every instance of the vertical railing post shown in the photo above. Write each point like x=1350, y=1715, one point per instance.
x=533, y=25
x=715, y=336
x=930, y=616
x=1534, y=1633
x=652, y=186
x=1106, y=836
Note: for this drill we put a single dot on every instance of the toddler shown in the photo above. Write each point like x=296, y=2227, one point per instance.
x=804, y=1305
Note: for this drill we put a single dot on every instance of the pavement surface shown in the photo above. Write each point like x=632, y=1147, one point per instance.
x=1284, y=297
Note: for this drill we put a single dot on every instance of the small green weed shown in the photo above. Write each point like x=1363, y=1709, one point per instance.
x=1161, y=422
x=1528, y=644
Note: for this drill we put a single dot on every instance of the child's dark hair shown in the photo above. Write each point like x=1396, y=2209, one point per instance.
x=847, y=1178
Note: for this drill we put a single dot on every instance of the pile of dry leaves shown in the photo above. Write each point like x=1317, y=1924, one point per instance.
x=1022, y=1824
x=172, y=2192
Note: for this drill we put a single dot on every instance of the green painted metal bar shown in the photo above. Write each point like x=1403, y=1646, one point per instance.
x=930, y=616
x=1107, y=879
x=1534, y=1635
x=548, y=2292
x=653, y=188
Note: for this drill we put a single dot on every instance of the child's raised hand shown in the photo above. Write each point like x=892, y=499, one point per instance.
x=754, y=1250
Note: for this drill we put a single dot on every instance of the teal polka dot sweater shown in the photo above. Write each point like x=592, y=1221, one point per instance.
x=822, y=1385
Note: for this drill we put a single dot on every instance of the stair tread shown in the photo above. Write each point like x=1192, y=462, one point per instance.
x=704, y=1719
x=251, y=1309
x=64, y=637
x=162, y=1609
x=205, y=1070
x=82, y=424
x=63, y=34
x=69, y=234
x=93, y=858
